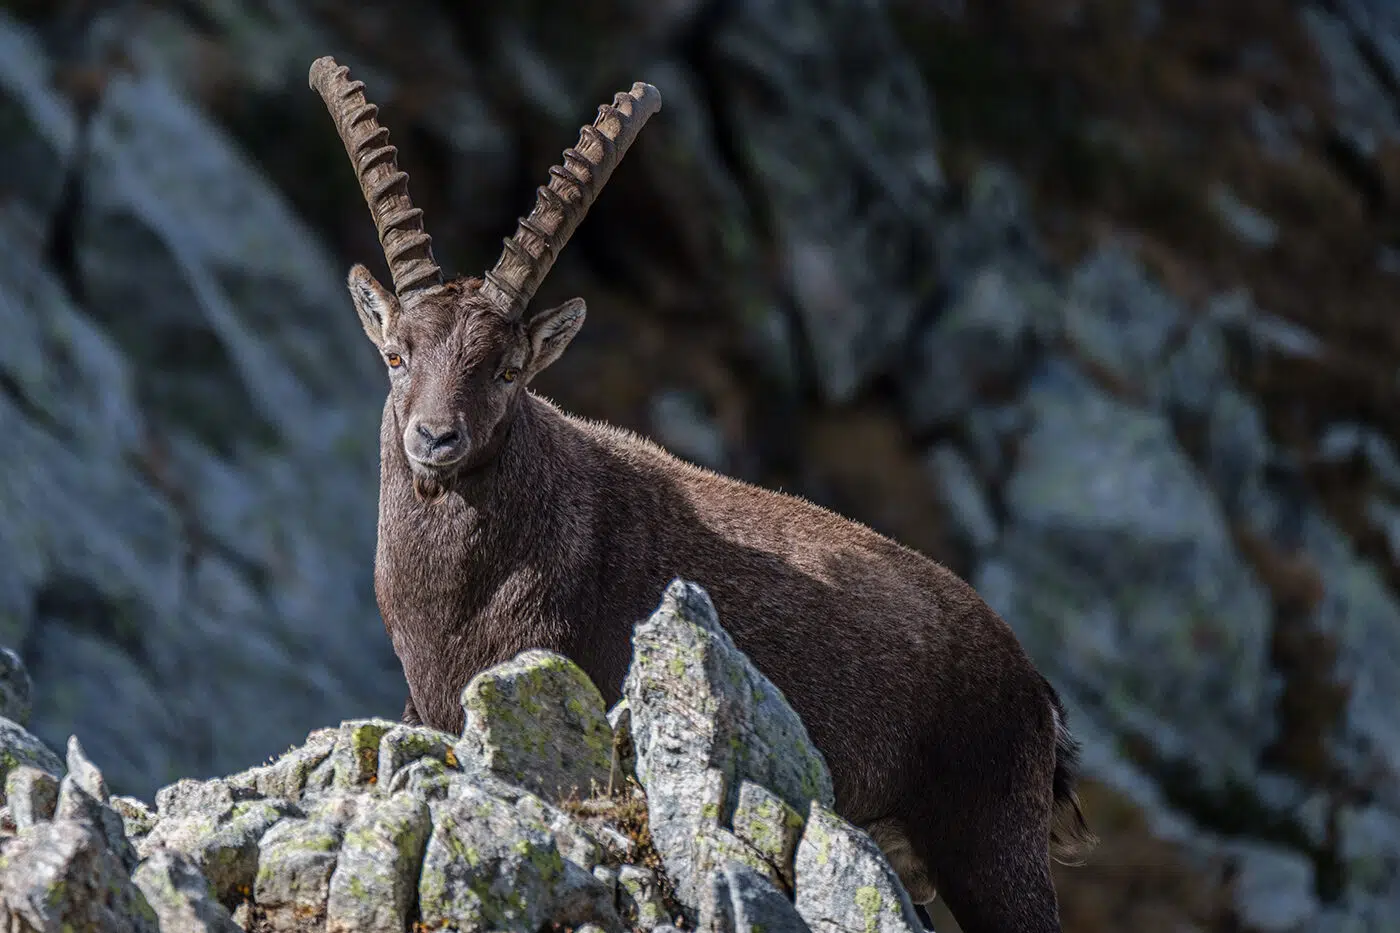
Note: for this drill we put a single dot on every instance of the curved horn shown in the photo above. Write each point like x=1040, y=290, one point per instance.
x=561, y=205
x=407, y=248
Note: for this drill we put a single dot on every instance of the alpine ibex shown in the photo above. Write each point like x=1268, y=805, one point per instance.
x=507, y=524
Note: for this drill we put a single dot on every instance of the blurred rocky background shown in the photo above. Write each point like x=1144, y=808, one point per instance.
x=1093, y=300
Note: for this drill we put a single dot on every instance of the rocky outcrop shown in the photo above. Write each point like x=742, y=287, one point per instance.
x=1132, y=372
x=511, y=826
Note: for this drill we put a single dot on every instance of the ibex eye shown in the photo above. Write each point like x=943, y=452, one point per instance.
x=394, y=360
x=509, y=374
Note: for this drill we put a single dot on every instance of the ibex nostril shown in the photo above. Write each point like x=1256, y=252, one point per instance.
x=437, y=438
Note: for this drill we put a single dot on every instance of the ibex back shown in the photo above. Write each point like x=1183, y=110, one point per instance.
x=506, y=524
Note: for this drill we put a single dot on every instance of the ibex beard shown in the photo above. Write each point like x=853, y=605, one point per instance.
x=506, y=524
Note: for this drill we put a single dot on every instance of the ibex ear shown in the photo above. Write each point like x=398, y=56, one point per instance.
x=550, y=332
x=376, y=305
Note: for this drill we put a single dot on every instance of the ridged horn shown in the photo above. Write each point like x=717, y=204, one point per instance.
x=561, y=205
x=407, y=248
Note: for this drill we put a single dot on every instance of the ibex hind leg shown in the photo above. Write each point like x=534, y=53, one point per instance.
x=994, y=872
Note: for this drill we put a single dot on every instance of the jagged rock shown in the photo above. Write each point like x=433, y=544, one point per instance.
x=111, y=461
x=297, y=858
x=740, y=900
x=31, y=794
x=857, y=266
x=624, y=755
x=186, y=797
x=19, y=747
x=639, y=893
x=427, y=778
x=981, y=340
x=1363, y=107
x=574, y=841
x=1116, y=563
x=15, y=688
x=489, y=868
x=137, y=817
x=287, y=776
x=769, y=824
x=1274, y=888
x=374, y=885
x=226, y=851
x=844, y=882
x=1120, y=319
x=538, y=721
x=404, y=745
x=61, y=875
x=180, y=895
x=83, y=797
x=704, y=720
x=355, y=758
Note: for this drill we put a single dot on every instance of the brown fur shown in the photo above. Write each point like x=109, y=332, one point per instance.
x=560, y=533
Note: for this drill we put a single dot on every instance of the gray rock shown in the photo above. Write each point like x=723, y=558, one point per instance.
x=624, y=754
x=1120, y=319
x=226, y=852
x=639, y=894
x=983, y=339
x=136, y=816
x=740, y=900
x=580, y=900
x=427, y=778
x=83, y=797
x=31, y=794
x=15, y=688
x=1274, y=888
x=180, y=895
x=969, y=512
x=401, y=746
x=296, y=860
x=1343, y=441
x=1361, y=613
x=211, y=799
x=487, y=868
x=996, y=227
x=354, y=760
x=1118, y=571
x=574, y=840
x=539, y=722
x=1365, y=111
x=1269, y=334
x=857, y=267
x=18, y=747
x=121, y=459
x=287, y=776
x=1238, y=448
x=375, y=883
x=770, y=825
x=1197, y=370
x=61, y=875
x=1249, y=224
x=704, y=720
x=844, y=882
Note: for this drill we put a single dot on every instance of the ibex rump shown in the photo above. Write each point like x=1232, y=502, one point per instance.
x=506, y=524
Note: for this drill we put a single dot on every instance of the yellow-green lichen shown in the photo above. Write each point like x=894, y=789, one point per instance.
x=868, y=901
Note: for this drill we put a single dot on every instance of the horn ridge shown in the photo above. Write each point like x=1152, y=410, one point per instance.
x=561, y=204
x=407, y=248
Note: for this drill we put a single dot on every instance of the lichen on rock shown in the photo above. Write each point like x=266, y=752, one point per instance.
x=538, y=721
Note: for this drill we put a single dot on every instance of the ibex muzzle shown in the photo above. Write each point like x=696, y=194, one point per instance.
x=507, y=524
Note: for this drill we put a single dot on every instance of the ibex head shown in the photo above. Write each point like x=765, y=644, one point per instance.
x=460, y=352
